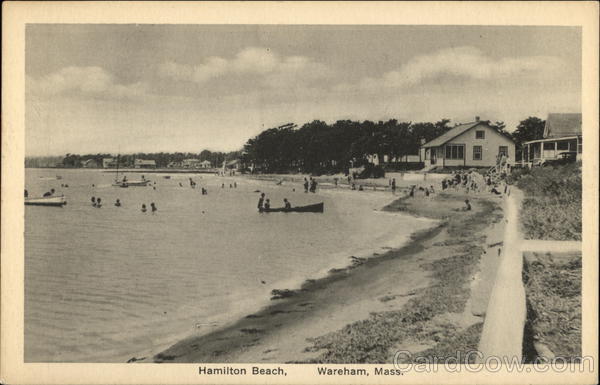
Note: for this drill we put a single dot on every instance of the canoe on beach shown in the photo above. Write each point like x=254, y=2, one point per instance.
x=46, y=201
x=315, y=208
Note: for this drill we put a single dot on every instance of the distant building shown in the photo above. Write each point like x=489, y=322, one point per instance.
x=374, y=158
x=174, y=165
x=109, y=163
x=190, y=163
x=475, y=144
x=143, y=163
x=233, y=164
x=90, y=163
x=205, y=164
x=562, y=133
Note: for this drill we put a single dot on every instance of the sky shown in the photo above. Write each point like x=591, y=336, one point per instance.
x=103, y=88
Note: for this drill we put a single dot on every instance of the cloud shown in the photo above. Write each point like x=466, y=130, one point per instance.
x=85, y=81
x=272, y=69
x=462, y=62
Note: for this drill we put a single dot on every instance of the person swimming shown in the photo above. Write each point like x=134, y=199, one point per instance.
x=153, y=207
x=98, y=203
x=267, y=204
x=286, y=204
x=118, y=203
x=261, y=201
x=467, y=205
x=49, y=193
x=94, y=201
x=26, y=194
x=144, y=208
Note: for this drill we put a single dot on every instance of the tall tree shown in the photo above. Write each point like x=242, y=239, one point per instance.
x=531, y=128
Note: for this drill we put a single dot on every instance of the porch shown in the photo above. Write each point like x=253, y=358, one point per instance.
x=536, y=151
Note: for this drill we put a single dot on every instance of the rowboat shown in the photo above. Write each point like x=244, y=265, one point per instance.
x=46, y=201
x=314, y=208
x=131, y=183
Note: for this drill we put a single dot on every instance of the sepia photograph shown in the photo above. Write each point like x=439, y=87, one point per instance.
x=252, y=197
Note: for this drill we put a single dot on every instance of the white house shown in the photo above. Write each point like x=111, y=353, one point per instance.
x=475, y=144
x=562, y=133
x=205, y=164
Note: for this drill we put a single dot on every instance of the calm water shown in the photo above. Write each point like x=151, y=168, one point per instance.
x=105, y=284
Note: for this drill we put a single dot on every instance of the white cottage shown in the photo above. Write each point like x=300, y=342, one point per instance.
x=475, y=144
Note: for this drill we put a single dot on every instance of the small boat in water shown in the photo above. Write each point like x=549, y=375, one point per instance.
x=167, y=176
x=46, y=201
x=131, y=183
x=314, y=208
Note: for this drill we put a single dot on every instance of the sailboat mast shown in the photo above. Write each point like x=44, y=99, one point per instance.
x=117, y=176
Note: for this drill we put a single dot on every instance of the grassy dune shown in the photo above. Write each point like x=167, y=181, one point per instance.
x=552, y=205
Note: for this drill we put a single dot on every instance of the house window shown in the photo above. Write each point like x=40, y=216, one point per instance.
x=503, y=150
x=563, y=146
x=549, y=146
x=477, y=151
x=580, y=145
x=479, y=134
x=455, y=151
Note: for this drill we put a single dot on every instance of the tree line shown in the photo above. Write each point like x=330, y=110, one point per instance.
x=319, y=148
x=162, y=159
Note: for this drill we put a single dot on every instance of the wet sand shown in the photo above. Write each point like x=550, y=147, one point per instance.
x=286, y=330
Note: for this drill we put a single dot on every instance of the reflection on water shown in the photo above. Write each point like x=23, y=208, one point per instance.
x=102, y=284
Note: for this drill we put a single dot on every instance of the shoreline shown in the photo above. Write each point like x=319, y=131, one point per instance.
x=341, y=261
x=284, y=330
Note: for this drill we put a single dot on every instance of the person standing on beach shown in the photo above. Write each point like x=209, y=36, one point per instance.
x=261, y=201
x=267, y=205
x=313, y=185
x=118, y=203
x=393, y=183
x=305, y=185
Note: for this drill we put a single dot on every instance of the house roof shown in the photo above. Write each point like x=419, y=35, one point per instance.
x=144, y=161
x=451, y=134
x=559, y=125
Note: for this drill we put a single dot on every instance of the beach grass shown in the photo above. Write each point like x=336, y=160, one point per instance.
x=553, y=288
x=552, y=206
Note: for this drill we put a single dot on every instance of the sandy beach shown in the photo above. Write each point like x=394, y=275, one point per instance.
x=416, y=298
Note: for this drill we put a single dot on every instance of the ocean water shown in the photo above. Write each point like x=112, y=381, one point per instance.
x=106, y=284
